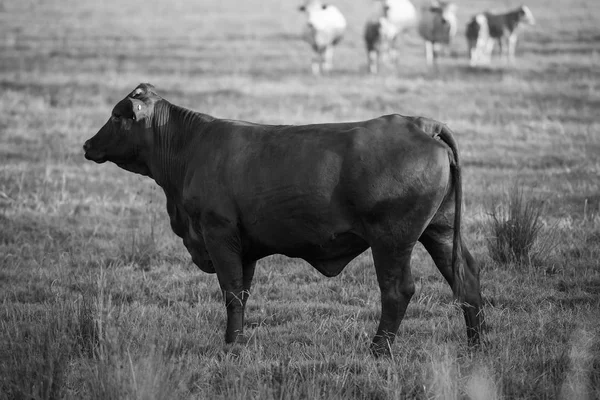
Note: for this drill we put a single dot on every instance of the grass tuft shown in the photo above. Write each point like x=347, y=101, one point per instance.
x=87, y=332
x=35, y=353
x=516, y=230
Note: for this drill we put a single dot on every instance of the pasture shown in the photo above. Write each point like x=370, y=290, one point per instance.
x=99, y=299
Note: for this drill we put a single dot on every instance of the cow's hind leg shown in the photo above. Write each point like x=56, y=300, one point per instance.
x=373, y=61
x=437, y=240
x=429, y=53
x=317, y=62
x=248, y=275
x=392, y=264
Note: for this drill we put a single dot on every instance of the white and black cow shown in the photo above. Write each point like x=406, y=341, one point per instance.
x=486, y=29
x=380, y=38
x=391, y=19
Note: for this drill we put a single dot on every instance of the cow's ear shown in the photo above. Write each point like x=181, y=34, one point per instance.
x=302, y=8
x=137, y=92
x=142, y=91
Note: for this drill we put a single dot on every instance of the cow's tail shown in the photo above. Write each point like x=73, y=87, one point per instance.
x=445, y=135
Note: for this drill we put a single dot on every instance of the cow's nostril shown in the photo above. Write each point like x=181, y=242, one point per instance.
x=86, y=146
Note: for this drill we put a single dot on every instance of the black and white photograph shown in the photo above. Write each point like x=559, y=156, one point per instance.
x=308, y=199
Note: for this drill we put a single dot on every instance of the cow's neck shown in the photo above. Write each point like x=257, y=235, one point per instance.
x=174, y=129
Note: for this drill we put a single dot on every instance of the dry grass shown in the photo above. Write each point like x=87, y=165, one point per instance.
x=516, y=228
x=99, y=299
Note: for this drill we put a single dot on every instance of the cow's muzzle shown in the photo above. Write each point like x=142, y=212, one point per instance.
x=92, y=155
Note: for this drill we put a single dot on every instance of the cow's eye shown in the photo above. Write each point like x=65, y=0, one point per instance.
x=116, y=117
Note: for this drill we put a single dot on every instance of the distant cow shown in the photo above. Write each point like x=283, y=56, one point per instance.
x=391, y=19
x=325, y=27
x=238, y=191
x=401, y=13
x=380, y=37
x=485, y=29
x=437, y=25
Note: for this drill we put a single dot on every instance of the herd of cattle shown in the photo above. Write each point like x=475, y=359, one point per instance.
x=436, y=23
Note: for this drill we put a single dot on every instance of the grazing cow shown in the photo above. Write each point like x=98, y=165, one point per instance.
x=325, y=27
x=484, y=29
x=238, y=191
x=437, y=25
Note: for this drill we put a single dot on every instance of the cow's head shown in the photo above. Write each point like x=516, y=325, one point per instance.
x=526, y=16
x=312, y=6
x=445, y=11
x=383, y=7
x=127, y=134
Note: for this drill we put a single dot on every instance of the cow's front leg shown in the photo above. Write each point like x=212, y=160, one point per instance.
x=223, y=243
x=317, y=62
x=327, y=64
x=512, y=45
x=429, y=53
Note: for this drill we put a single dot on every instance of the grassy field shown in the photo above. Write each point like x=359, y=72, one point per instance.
x=99, y=299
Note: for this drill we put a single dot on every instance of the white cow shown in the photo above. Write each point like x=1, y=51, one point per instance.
x=401, y=13
x=437, y=25
x=485, y=29
x=325, y=27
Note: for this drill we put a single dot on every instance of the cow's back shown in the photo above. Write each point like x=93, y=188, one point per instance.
x=432, y=28
x=497, y=25
x=289, y=173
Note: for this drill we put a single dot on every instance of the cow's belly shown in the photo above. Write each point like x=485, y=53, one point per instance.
x=328, y=252
x=331, y=258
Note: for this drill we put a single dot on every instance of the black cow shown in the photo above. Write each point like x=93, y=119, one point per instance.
x=238, y=191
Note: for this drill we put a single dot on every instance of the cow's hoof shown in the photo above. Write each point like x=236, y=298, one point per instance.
x=380, y=349
x=237, y=338
x=233, y=350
